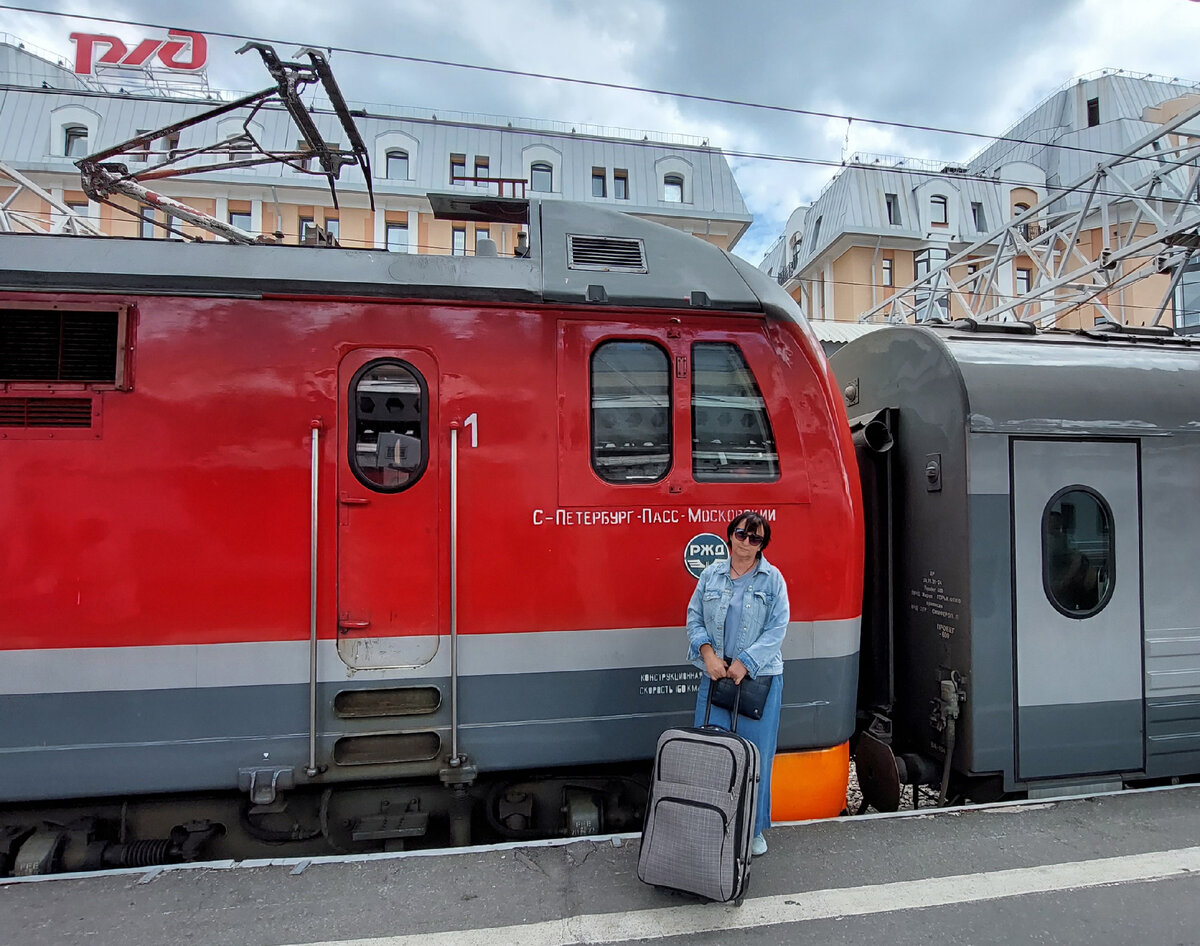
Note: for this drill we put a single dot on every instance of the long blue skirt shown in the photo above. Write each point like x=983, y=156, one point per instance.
x=764, y=733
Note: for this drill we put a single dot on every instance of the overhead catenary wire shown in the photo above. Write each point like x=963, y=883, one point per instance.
x=587, y=83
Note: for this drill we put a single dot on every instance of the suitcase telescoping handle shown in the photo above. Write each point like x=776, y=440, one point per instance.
x=737, y=698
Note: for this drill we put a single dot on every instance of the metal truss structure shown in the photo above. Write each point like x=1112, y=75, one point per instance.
x=1145, y=205
x=60, y=219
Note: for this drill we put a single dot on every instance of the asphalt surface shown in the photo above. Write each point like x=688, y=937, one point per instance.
x=983, y=876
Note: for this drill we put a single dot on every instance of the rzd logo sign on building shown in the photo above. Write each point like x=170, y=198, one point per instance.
x=184, y=51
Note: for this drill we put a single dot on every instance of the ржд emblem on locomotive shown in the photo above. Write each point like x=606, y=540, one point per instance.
x=702, y=550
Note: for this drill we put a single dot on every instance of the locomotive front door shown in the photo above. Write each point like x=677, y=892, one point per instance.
x=1077, y=569
x=387, y=493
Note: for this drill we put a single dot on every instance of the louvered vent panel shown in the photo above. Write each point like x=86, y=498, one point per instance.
x=612, y=254
x=46, y=412
x=58, y=346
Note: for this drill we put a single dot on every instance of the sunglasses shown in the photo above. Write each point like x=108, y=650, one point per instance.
x=752, y=537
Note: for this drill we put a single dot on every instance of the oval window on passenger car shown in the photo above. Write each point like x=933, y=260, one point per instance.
x=1078, y=552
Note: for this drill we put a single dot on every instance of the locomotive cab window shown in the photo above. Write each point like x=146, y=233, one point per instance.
x=1078, y=553
x=630, y=412
x=732, y=440
x=389, y=413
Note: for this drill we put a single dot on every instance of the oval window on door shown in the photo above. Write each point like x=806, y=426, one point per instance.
x=1078, y=552
x=389, y=411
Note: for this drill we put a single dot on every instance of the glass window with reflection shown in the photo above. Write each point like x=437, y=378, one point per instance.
x=396, y=237
x=397, y=165
x=1078, y=553
x=388, y=418
x=732, y=440
x=630, y=411
x=541, y=177
x=75, y=141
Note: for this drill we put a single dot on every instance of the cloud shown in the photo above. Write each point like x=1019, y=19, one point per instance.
x=943, y=63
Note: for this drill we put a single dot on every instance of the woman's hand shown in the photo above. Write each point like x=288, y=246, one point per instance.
x=714, y=666
x=737, y=670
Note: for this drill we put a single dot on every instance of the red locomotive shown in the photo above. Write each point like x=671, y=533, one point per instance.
x=348, y=549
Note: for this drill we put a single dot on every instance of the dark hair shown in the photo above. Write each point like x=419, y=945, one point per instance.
x=751, y=521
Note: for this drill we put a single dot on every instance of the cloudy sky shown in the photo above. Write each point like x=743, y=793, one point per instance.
x=968, y=65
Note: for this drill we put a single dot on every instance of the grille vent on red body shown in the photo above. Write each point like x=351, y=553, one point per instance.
x=611, y=254
x=45, y=412
x=72, y=346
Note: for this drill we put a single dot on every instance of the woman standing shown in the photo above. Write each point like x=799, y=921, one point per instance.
x=739, y=612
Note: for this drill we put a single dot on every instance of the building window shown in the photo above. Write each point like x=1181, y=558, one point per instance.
x=630, y=412
x=1078, y=556
x=889, y=276
x=481, y=233
x=240, y=219
x=816, y=235
x=78, y=208
x=599, y=182
x=482, y=170
x=146, y=226
x=541, y=177
x=977, y=216
x=396, y=237
x=306, y=226
x=938, y=212
x=458, y=168
x=1024, y=280
x=893, y=209
x=458, y=241
x=1187, y=301
x=75, y=141
x=1093, y=112
x=1019, y=208
x=397, y=165
x=620, y=184
x=143, y=152
x=171, y=146
x=333, y=226
x=673, y=188
x=732, y=440
x=389, y=421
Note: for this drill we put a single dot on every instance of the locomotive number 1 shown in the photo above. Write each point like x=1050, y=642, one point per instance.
x=472, y=421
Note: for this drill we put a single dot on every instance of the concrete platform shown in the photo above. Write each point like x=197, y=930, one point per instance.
x=1121, y=868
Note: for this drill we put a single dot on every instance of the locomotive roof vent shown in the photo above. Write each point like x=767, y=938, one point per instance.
x=606, y=254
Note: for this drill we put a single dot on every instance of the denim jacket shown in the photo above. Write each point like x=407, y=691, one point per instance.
x=766, y=621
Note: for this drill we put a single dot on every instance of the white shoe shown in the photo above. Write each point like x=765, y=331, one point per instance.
x=758, y=846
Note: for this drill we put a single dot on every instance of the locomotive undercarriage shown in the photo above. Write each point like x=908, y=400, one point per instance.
x=312, y=821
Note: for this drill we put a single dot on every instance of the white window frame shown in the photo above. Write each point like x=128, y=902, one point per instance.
x=387, y=243
x=674, y=164
x=63, y=118
x=394, y=141
x=939, y=210
x=387, y=164
x=543, y=154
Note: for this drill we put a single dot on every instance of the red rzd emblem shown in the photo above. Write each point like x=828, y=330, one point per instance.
x=170, y=52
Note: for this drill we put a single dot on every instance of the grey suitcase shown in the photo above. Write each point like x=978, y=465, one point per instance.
x=701, y=810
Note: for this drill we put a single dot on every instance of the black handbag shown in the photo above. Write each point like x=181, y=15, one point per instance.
x=753, y=695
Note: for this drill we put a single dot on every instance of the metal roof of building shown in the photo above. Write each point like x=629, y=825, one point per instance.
x=32, y=117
